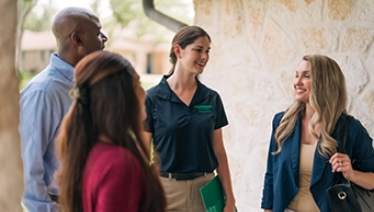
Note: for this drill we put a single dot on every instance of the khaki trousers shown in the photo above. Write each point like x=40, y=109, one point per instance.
x=289, y=210
x=184, y=195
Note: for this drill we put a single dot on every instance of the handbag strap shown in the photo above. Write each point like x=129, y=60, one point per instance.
x=341, y=146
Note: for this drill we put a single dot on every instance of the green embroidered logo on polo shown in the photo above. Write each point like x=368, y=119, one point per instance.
x=203, y=108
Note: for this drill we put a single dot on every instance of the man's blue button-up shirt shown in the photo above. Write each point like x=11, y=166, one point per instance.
x=44, y=103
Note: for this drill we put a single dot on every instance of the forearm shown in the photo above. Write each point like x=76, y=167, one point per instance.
x=36, y=196
x=225, y=178
x=39, y=120
x=36, y=205
x=34, y=141
x=363, y=179
x=147, y=136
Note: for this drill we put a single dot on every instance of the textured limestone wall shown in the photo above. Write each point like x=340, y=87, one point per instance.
x=256, y=47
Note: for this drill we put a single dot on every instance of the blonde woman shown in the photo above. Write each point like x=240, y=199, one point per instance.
x=303, y=150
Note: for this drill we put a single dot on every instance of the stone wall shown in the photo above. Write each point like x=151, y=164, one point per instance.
x=256, y=47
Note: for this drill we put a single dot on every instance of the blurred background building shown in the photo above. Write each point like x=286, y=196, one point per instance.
x=131, y=34
x=147, y=57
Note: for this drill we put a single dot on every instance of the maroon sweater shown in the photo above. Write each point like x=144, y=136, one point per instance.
x=113, y=180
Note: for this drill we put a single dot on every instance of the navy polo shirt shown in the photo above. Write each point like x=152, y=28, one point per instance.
x=182, y=135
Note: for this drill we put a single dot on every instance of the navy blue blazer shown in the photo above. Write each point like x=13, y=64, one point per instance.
x=282, y=173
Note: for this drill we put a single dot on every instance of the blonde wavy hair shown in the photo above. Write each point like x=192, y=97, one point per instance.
x=328, y=98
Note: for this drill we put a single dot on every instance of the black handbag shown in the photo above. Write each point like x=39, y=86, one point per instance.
x=345, y=196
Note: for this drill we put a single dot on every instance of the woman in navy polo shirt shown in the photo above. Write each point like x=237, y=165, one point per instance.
x=185, y=120
x=300, y=165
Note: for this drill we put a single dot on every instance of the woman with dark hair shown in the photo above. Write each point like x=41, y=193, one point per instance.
x=303, y=149
x=105, y=162
x=185, y=120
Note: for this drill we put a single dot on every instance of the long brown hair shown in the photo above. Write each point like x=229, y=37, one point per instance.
x=107, y=105
x=185, y=36
x=328, y=98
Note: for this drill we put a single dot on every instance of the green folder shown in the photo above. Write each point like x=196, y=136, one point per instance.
x=213, y=196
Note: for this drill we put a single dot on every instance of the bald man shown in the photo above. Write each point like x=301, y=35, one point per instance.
x=45, y=100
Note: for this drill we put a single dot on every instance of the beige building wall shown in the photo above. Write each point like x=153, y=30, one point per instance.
x=35, y=60
x=36, y=50
x=160, y=62
x=142, y=55
x=256, y=47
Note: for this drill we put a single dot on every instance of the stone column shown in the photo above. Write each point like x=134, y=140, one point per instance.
x=11, y=177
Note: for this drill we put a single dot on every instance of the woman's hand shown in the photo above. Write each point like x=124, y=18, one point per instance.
x=342, y=163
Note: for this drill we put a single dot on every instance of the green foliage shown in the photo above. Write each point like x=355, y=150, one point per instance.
x=36, y=22
x=129, y=11
x=28, y=2
x=95, y=4
x=124, y=13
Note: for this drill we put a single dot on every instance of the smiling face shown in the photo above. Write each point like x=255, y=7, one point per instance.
x=302, y=83
x=194, y=56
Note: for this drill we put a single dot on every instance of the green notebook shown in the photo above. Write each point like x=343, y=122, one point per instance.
x=213, y=196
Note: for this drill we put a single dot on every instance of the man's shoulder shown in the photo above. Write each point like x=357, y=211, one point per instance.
x=37, y=85
x=46, y=82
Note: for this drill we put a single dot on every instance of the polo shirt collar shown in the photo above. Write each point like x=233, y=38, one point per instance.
x=165, y=92
x=62, y=66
